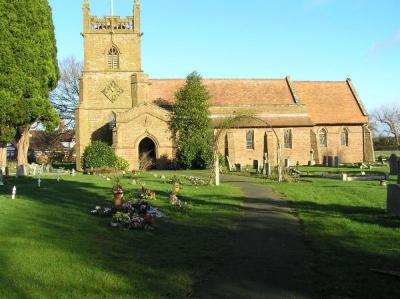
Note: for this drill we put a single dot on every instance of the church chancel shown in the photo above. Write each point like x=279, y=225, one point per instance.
x=122, y=106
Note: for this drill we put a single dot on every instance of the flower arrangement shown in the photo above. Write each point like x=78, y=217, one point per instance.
x=195, y=181
x=147, y=194
x=136, y=214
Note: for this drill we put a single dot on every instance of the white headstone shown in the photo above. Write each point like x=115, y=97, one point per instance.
x=39, y=182
x=14, y=192
x=344, y=177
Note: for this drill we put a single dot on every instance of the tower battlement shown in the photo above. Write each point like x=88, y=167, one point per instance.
x=107, y=24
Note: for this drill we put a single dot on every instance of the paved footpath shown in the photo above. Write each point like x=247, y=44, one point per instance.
x=269, y=258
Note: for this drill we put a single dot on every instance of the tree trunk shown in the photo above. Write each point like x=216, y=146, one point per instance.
x=3, y=156
x=22, y=148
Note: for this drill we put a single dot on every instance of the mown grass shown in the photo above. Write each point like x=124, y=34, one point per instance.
x=386, y=154
x=51, y=247
x=346, y=226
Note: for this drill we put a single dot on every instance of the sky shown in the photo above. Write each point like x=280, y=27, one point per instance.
x=305, y=39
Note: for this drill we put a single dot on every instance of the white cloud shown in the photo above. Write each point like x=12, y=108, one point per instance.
x=388, y=43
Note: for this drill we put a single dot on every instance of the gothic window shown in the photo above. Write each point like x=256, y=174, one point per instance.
x=288, y=138
x=113, y=58
x=323, y=138
x=344, y=137
x=250, y=139
x=112, y=122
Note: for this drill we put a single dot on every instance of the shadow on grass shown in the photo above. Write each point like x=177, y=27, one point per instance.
x=53, y=224
x=361, y=214
x=64, y=251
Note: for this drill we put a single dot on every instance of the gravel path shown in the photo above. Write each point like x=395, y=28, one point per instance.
x=269, y=258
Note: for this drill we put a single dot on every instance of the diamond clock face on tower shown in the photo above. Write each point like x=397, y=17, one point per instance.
x=112, y=91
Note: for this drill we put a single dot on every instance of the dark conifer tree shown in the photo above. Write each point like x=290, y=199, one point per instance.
x=190, y=124
x=28, y=70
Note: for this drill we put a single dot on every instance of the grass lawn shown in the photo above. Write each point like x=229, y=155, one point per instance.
x=346, y=226
x=386, y=154
x=51, y=247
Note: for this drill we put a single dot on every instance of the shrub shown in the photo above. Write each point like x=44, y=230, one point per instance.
x=98, y=155
x=122, y=164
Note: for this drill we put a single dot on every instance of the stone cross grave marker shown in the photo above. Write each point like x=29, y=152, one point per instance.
x=394, y=164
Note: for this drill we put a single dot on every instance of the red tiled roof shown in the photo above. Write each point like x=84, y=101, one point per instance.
x=323, y=102
x=330, y=102
x=230, y=92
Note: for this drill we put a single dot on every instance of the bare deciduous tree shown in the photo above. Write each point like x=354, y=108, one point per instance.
x=65, y=97
x=388, y=118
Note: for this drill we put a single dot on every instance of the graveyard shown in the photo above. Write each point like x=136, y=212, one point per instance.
x=127, y=173
x=345, y=225
x=51, y=246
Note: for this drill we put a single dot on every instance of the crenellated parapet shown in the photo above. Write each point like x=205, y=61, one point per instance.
x=107, y=24
x=114, y=24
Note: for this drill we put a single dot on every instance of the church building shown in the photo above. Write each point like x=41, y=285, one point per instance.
x=312, y=121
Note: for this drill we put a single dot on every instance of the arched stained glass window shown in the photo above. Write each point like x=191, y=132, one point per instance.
x=113, y=58
x=323, y=138
x=288, y=138
x=250, y=139
x=344, y=137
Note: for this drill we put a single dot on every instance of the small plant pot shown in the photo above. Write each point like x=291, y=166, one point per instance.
x=118, y=198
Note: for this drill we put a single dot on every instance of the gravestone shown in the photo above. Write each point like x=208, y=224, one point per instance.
x=34, y=169
x=325, y=160
x=312, y=160
x=287, y=163
x=394, y=164
x=21, y=171
x=330, y=161
x=398, y=172
x=337, y=161
x=7, y=172
x=267, y=168
x=1, y=177
x=255, y=164
x=344, y=177
x=393, y=196
x=238, y=167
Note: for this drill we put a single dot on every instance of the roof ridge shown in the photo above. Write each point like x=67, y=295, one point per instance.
x=226, y=79
x=319, y=81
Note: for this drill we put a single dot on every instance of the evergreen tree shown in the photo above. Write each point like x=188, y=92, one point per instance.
x=190, y=124
x=28, y=70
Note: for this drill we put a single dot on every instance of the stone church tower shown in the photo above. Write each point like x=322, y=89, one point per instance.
x=114, y=93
